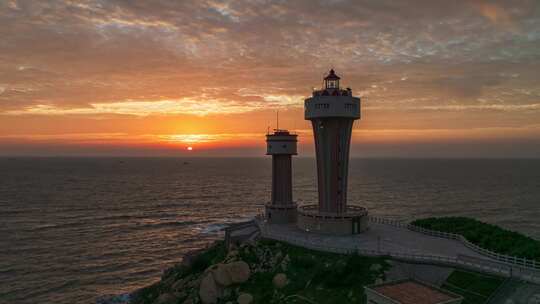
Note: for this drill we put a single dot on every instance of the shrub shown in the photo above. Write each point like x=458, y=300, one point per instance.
x=487, y=236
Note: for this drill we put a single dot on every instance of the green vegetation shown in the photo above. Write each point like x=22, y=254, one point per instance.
x=313, y=276
x=474, y=287
x=487, y=236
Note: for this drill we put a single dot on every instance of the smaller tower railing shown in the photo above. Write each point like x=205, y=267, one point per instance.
x=313, y=211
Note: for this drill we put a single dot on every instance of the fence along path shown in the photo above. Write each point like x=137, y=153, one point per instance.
x=512, y=260
x=491, y=266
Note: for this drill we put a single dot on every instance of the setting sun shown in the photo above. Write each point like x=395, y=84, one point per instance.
x=190, y=148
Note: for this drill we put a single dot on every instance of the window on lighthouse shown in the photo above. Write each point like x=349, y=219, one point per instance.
x=331, y=84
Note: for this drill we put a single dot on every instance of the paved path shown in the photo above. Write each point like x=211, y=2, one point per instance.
x=383, y=237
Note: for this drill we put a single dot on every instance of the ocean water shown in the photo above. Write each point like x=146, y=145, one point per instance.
x=72, y=229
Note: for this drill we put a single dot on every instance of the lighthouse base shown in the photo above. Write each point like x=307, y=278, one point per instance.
x=353, y=221
x=280, y=214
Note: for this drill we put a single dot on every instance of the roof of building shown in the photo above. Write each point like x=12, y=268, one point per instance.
x=413, y=292
x=331, y=75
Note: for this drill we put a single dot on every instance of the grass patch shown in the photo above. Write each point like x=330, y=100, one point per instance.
x=485, y=235
x=315, y=277
x=476, y=288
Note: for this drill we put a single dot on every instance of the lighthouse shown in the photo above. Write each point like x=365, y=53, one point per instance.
x=282, y=146
x=332, y=112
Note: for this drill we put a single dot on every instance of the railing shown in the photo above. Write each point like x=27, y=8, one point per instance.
x=460, y=261
x=510, y=260
x=513, y=260
x=313, y=210
x=386, y=221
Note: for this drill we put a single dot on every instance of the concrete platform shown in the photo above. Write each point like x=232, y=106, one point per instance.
x=382, y=237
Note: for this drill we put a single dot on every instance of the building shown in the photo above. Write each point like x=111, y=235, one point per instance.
x=282, y=146
x=409, y=292
x=332, y=112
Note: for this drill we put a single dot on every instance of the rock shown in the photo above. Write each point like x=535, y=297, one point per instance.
x=193, y=281
x=238, y=271
x=244, y=298
x=375, y=267
x=166, y=298
x=221, y=275
x=208, y=291
x=180, y=294
x=178, y=285
x=280, y=280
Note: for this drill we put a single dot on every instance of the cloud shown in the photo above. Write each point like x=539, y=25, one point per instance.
x=201, y=58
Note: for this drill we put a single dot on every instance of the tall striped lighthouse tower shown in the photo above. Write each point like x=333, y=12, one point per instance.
x=282, y=146
x=332, y=112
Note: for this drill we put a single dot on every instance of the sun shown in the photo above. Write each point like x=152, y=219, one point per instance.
x=189, y=148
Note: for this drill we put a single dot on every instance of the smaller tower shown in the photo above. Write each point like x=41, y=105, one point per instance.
x=281, y=145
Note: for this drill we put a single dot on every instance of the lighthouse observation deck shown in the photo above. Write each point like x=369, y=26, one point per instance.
x=321, y=106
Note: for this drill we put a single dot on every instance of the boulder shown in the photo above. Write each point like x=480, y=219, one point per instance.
x=166, y=298
x=239, y=271
x=245, y=298
x=280, y=280
x=208, y=291
x=221, y=275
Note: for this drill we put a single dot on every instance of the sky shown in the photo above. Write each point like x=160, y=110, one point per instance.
x=152, y=78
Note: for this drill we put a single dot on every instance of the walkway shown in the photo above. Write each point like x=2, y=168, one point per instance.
x=398, y=242
x=381, y=237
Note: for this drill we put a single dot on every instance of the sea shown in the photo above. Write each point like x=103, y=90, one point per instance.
x=75, y=229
